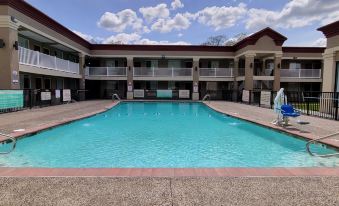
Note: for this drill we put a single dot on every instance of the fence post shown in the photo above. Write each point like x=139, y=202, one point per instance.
x=308, y=106
x=250, y=97
x=336, y=101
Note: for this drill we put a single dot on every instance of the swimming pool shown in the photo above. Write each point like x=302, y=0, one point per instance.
x=162, y=135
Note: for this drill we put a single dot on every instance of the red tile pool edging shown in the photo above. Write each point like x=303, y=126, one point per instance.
x=168, y=172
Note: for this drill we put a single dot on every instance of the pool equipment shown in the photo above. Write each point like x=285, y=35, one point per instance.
x=13, y=140
x=278, y=102
x=116, y=96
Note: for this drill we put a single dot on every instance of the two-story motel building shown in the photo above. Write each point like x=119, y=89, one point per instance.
x=36, y=52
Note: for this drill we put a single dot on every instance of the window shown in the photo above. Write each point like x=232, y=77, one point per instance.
x=336, y=89
x=23, y=42
x=215, y=64
x=37, y=48
x=38, y=83
x=59, y=54
x=27, y=82
x=295, y=65
x=60, y=84
x=47, y=83
x=45, y=51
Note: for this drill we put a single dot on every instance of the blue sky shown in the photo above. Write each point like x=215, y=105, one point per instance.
x=190, y=21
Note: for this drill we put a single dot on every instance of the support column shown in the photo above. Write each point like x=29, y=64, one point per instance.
x=130, y=85
x=327, y=105
x=249, y=65
x=82, y=80
x=235, y=82
x=195, y=93
x=329, y=72
x=277, y=67
x=9, y=56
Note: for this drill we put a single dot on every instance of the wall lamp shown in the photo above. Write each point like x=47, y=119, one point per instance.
x=279, y=65
x=196, y=69
x=251, y=65
x=129, y=68
x=2, y=43
x=16, y=45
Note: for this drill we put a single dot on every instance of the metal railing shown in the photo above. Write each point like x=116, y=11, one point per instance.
x=162, y=72
x=300, y=73
x=12, y=139
x=16, y=100
x=216, y=72
x=35, y=58
x=106, y=71
x=308, y=149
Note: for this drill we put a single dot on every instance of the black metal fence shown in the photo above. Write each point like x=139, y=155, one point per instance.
x=318, y=104
x=15, y=100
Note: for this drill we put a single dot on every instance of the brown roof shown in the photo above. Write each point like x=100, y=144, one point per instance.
x=303, y=49
x=330, y=30
x=278, y=38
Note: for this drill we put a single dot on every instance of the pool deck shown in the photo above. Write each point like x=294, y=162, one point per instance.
x=318, y=127
x=157, y=186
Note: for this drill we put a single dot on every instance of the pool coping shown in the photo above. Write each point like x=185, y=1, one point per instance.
x=157, y=172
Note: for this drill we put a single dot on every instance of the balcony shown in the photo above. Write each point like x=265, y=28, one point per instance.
x=37, y=59
x=216, y=72
x=106, y=71
x=301, y=73
x=162, y=72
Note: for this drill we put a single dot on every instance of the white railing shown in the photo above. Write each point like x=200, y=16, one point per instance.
x=162, y=72
x=106, y=71
x=216, y=72
x=34, y=58
x=300, y=73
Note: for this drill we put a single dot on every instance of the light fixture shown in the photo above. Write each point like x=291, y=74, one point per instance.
x=279, y=65
x=13, y=19
x=16, y=45
x=2, y=43
x=251, y=65
x=196, y=69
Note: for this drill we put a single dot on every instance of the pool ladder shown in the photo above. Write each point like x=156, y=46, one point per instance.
x=317, y=140
x=13, y=140
x=116, y=96
x=207, y=96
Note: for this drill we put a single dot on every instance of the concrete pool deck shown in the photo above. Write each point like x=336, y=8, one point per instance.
x=218, y=186
x=318, y=127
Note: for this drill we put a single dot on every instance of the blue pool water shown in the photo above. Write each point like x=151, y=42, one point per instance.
x=162, y=135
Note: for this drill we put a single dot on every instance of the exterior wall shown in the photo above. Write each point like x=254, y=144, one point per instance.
x=333, y=42
x=264, y=44
x=9, y=60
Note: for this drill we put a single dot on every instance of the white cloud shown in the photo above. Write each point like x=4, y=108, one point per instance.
x=89, y=38
x=220, y=17
x=151, y=13
x=119, y=22
x=296, y=13
x=150, y=42
x=135, y=38
x=321, y=42
x=178, y=22
x=122, y=38
x=176, y=4
x=180, y=35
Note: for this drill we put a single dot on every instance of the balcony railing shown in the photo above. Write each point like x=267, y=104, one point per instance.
x=162, y=72
x=216, y=72
x=106, y=71
x=301, y=73
x=35, y=58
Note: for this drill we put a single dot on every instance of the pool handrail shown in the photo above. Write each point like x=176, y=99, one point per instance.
x=317, y=140
x=116, y=96
x=207, y=96
x=9, y=138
